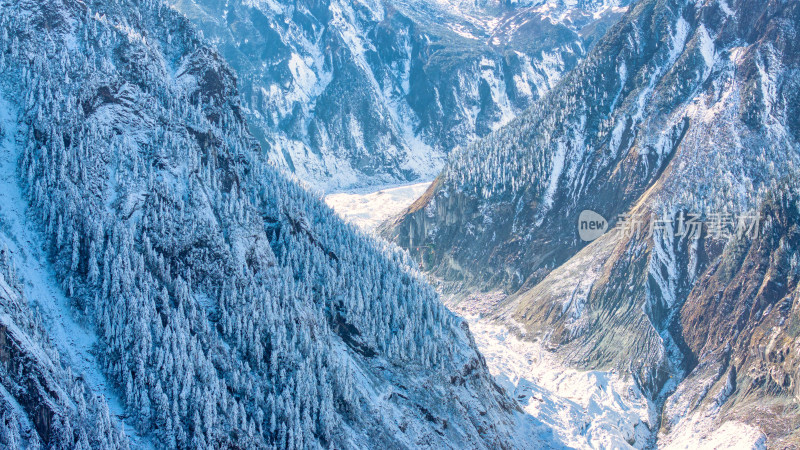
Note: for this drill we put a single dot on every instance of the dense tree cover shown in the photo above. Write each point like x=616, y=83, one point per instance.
x=677, y=108
x=233, y=307
x=684, y=107
x=672, y=78
x=33, y=377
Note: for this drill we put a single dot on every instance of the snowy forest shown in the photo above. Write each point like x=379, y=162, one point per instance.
x=170, y=279
x=231, y=307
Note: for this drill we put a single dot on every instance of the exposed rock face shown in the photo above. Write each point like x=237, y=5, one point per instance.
x=740, y=324
x=349, y=94
x=683, y=107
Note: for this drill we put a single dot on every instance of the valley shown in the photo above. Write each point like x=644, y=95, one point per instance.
x=586, y=409
x=399, y=224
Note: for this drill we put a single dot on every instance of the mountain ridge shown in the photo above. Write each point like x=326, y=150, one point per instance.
x=682, y=108
x=350, y=95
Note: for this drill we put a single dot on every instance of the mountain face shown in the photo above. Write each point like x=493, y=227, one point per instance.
x=683, y=110
x=213, y=302
x=347, y=94
x=58, y=404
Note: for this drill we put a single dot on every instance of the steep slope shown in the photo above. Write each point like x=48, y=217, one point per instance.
x=351, y=94
x=32, y=300
x=585, y=409
x=231, y=307
x=740, y=322
x=41, y=401
x=685, y=108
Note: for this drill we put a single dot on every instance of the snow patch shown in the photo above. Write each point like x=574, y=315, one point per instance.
x=371, y=209
x=723, y=4
x=559, y=160
x=700, y=434
x=707, y=49
x=586, y=409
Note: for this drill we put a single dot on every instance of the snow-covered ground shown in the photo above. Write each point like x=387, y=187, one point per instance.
x=586, y=409
x=368, y=210
x=698, y=432
x=73, y=340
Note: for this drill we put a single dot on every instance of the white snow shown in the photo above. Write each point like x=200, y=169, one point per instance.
x=707, y=49
x=678, y=44
x=557, y=167
x=682, y=29
x=523, y=87
x=462, y=31
x=586, y=409
x=698, y=433
x=663, y=266
x=616, y=136
x=489, y=75
x=304, y=77
x=371, y=209
x=726, y=8
x=73, y=341
x=706, y=46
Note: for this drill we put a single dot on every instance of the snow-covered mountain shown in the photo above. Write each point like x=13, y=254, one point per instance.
x=41, y=400
x=347, y=94
x=683, y=108
x=163, y=264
